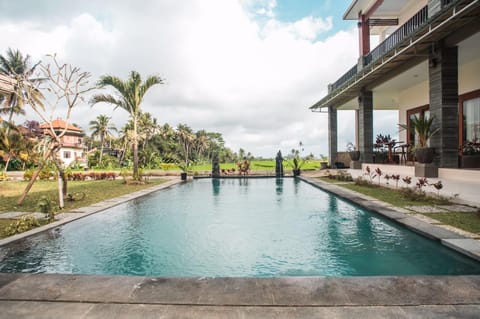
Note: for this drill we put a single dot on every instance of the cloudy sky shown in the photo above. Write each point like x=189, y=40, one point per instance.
x=246, y=68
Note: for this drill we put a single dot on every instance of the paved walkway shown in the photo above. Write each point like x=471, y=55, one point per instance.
x=75, y=296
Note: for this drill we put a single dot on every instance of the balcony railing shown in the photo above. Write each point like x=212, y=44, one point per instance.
x=344, y=78
x=409, y=27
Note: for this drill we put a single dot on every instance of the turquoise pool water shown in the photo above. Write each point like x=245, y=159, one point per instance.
x=235, y=227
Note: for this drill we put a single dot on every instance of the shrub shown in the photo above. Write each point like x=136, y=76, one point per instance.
x=360, y=181
x=22, y=225
x=46, y=206
x=27, y=175
x=3, y=176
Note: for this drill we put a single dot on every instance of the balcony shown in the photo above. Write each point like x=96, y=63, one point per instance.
x=408, y=30
x=405, y=31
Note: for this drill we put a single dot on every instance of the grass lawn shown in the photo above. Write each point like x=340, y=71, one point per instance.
x=388, y=195
x=466, y=221
x=95, y=191
x=266, y=165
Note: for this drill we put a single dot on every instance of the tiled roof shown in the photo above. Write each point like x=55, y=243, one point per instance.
x=60, y=124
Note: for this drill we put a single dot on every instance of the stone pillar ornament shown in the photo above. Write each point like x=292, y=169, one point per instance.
x=215, y=166
x=279, y=165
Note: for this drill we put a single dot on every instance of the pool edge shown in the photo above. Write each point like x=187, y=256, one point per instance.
x=461, y=244
x=86, y=211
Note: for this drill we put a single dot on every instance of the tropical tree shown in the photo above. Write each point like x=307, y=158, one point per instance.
x=129, y=96
x=64, y=85
x=19, y=69
x=102, y=128
x=185, y=138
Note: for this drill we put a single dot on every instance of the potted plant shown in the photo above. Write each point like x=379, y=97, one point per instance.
x=424, y=131
x=470, y=155
x=297, y=164
x=184, y=169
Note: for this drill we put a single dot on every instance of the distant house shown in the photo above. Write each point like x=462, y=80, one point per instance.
x=73, y=148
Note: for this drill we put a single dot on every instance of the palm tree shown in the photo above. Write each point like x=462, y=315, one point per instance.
x=129, y=96
x=17, y=67
x=102, y=128
x=186, y=138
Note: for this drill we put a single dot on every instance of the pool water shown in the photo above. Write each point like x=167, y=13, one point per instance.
x=236, y=228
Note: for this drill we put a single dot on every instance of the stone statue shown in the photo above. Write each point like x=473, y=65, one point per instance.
x=215, y=166
x=279, y=165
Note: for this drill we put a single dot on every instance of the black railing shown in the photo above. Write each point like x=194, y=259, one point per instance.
x=344, y=78
x=409, y=27
x=406, y=30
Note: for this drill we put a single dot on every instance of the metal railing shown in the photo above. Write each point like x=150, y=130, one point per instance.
x=344, y=78
x=409, y=27
x=405, y=31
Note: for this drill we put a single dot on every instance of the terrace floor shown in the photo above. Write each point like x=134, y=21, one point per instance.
x=76, y=296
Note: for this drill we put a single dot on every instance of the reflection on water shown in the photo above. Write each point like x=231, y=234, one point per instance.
x=279, y=186
x=234, y=227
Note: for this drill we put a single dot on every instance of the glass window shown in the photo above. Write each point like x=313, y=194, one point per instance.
x=471, y=120
x=67, y=154
x=419, y=112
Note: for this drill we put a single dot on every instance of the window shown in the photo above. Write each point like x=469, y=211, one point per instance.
x=471, y=120
x=469, y=117
x=422, y=111
x=67, y=154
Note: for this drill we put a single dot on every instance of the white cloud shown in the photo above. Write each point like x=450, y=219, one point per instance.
x=224, y=71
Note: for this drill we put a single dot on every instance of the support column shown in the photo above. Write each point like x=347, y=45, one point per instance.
x=357, y=140
x=365, y=126
x=443, y=85
x=364, y=35
x=332, y=136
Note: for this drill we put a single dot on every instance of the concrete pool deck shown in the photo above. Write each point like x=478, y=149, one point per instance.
x=82, y=296
x=77, y=296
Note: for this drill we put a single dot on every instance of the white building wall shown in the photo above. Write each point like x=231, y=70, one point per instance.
x=74, y=153
x=469, y=77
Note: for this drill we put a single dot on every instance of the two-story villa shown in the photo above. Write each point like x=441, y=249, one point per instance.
x=73, y=148
x=427, y=63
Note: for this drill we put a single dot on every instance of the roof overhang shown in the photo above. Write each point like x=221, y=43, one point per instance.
x=408, y=53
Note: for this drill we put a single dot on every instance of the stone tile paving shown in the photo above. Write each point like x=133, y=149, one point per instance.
x=460, y=208
x=427, y=209
x=80, y=296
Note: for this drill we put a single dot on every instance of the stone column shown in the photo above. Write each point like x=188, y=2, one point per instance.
x=332, y=136
x=365, y=126
x=443, y=86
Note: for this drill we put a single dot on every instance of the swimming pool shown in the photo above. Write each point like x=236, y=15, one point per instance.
x=235, y=228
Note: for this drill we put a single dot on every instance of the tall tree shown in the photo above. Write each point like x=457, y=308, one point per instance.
x=186, y=139
x=129, y=96
x=64, y=85
x=19, y=69
x=102, y=128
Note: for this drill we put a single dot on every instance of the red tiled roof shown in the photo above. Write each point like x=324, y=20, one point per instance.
x=60, y=124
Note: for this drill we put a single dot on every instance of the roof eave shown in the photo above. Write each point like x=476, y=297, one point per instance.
x=347, y=12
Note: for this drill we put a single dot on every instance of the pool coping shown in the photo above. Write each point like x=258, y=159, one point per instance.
x=83, y=212
x=464, y=245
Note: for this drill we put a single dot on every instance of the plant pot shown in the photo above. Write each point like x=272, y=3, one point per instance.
x=183, y=176
x=296, y=172
x=425, y=155
x=354, y=155
x=470, y=161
